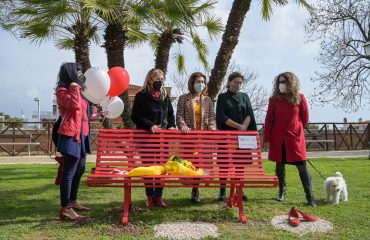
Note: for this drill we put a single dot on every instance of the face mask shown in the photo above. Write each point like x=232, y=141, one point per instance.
x=198, y=87
x=81, y=79
x=235, y=86
x=157, y=85
x=282, y=87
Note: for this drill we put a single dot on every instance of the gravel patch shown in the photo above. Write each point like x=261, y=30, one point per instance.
x=185, y=230
x=320, y=225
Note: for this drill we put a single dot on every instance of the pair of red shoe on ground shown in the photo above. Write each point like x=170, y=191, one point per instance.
x=155, y=201
x=295, y=217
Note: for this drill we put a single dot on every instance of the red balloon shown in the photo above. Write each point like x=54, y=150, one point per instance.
x=119, y=81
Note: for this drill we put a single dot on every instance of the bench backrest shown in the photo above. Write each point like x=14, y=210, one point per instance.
x=129, y=148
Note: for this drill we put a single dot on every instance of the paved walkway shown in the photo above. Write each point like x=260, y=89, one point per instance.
x=92, y=157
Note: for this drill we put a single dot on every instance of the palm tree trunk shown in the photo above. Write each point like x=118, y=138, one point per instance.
x=81, y=45
x=228, y=44
x=115, y=40
x=163, y=51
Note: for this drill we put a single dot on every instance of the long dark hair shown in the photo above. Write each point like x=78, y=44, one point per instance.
x=68, y=74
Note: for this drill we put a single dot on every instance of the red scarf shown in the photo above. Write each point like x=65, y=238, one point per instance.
x=156, y=94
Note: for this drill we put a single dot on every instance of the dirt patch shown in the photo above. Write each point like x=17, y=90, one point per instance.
x=281, y=222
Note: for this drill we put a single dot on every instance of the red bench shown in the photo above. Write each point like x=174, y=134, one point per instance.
x=217, y=152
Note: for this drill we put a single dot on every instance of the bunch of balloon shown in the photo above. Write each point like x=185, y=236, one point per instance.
x=103, y=88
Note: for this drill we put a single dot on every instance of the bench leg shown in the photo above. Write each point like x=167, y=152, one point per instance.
x=127, y=204
x=231, y=201
x=239, y=197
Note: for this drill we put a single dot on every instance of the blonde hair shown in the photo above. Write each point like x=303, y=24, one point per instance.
x=149, y=77
x=292, y=88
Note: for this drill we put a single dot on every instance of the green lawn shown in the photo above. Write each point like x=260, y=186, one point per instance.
x=29, y=206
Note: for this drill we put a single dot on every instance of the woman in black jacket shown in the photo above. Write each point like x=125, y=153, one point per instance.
x=152, y=110
x=234, y=112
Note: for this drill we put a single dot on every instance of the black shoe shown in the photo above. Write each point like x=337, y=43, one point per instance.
x=311, y=201
x=245, y=198
x=281, y=196
x=222, y=196
x=195, y=195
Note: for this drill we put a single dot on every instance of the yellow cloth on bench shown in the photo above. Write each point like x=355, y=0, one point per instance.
x=176, y=168
x=146, y=171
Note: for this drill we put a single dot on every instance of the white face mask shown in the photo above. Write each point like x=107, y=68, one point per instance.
x=282, y=87
x=199, y=87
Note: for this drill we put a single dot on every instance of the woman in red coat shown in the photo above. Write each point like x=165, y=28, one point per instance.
x=287, y=114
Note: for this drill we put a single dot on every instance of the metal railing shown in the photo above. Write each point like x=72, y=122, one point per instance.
x=319, y=136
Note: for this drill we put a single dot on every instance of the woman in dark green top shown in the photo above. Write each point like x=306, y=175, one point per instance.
x=234, y=112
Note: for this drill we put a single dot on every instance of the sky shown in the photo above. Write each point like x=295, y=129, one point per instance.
x=269, y=47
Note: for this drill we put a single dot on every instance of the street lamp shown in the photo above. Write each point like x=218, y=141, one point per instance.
x=38, y=111
x=367, y=48
x=367, y=53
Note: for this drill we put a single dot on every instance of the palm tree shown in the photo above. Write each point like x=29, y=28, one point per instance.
x=121, y=21
x=67, y=22
x=172, y=22
x=230, y=37
x=5, y=7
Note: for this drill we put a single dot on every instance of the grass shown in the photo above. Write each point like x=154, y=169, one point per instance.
x=29, y=205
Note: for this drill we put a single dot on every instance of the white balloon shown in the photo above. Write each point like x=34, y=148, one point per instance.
x=104, y=103
x=97, y=84
x=112, y=106
x=90, y=98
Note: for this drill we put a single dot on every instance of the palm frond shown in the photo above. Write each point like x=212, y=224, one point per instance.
x=136, y=37
x=65, y=43
x=203, y=8
x=201, y=48
x=112, y=11
x=214, y=26
x=95, y=38
x=37, y=32
x=304, y=3
x=154, y=40
x=266, y=9
x=180, y=62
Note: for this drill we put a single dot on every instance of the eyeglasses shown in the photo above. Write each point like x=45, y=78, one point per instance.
x=283, y=81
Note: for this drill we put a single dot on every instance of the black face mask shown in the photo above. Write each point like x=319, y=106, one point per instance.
x=81, y=79
x=157, y=85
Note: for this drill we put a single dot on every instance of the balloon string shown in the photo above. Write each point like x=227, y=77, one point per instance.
x=101, y=123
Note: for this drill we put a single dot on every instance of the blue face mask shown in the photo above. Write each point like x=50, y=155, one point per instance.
x=199, y=87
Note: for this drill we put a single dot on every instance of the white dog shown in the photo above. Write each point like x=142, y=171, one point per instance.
x=335, y=188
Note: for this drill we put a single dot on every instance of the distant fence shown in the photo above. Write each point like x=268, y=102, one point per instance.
x=17, y=138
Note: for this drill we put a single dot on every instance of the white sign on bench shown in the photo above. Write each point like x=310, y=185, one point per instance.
x=247, y=142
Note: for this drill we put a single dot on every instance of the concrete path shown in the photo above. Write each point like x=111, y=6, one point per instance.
x=92, y=157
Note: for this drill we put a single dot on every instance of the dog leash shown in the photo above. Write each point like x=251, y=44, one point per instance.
x=322, y=177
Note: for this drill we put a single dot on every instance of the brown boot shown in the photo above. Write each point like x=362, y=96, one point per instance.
x=67, y=213
x=76, y=206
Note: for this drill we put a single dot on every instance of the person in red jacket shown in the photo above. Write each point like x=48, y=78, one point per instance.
x=286, y=116
x=73, y=139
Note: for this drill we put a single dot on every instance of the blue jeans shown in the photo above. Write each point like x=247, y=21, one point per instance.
x=153, y=192
x=73, y=169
